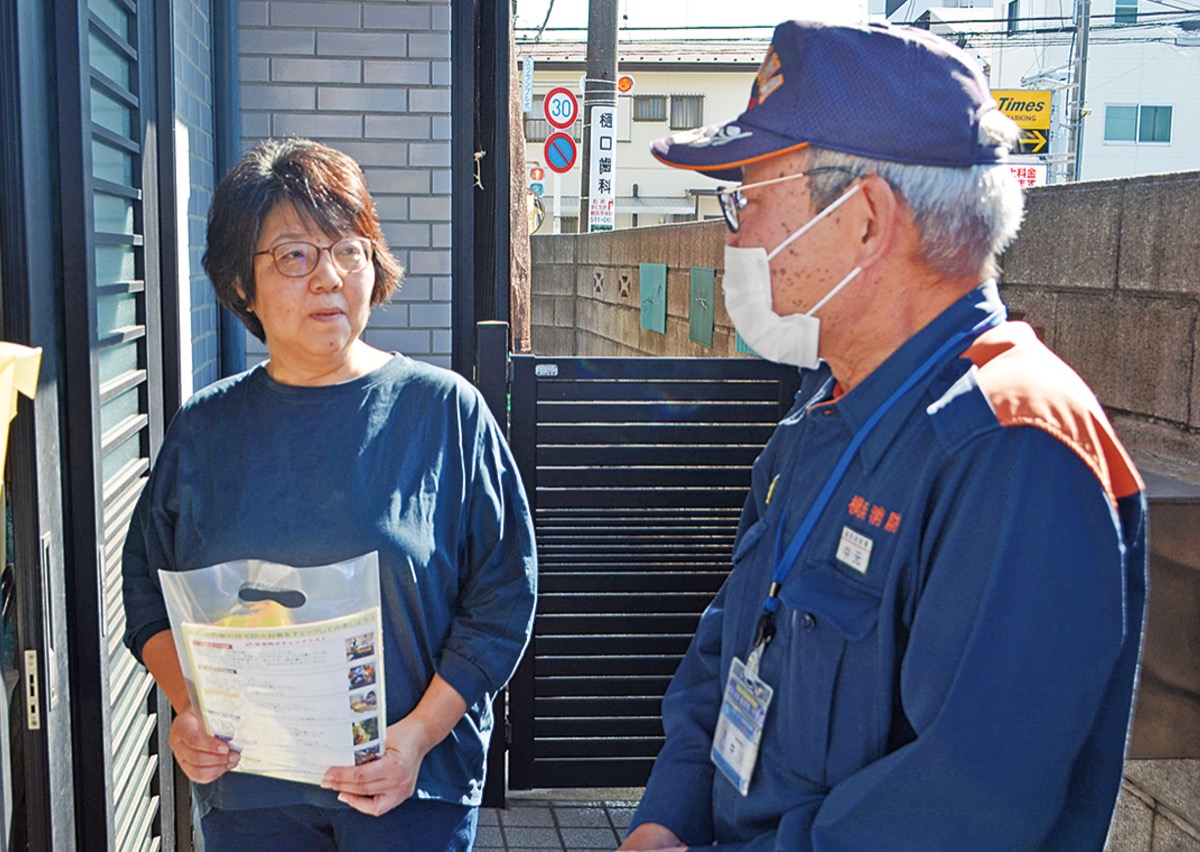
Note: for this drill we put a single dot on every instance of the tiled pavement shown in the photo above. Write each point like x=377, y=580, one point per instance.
x=557, y=821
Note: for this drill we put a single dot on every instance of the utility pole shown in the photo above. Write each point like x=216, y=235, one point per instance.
x=599, y=86
x=1083, y=22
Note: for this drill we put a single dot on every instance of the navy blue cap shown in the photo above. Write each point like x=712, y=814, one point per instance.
x=889, y=92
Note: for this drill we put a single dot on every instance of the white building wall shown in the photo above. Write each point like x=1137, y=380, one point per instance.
x=1146, y=74
x=1127, y=64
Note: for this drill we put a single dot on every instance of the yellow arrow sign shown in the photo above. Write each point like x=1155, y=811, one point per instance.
x=1032, y=141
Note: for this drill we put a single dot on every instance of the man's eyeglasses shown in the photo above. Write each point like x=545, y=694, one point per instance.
x=732, y=200
x=297, y=259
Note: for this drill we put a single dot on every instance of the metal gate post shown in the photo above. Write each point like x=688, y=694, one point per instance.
x=521, y=438
x=491, y=368
x=491, y=377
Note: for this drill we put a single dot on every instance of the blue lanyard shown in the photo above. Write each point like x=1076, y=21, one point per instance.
x=783, y=564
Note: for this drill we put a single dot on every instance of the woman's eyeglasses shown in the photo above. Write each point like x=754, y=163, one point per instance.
x=297, y=259
x=732, y=200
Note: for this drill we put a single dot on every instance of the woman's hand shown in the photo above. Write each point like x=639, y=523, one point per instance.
x=201, y=757
x=652, y=836
x=376, y=787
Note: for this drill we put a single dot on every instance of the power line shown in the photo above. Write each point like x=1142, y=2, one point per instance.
x=1109, y=34
x=550, y=8
x=1113, y=17
x=663, y=29
x=1158, y=19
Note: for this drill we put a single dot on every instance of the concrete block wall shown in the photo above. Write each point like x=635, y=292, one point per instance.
x=194, y=186
x=587, y=297
x=371, y=79
x=1159, y=808
x=1108, y=272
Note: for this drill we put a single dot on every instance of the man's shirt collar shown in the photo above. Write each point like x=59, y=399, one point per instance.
x=862, y=401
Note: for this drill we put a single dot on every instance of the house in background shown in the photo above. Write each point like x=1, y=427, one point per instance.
x=1139, y=116
x=676, y=86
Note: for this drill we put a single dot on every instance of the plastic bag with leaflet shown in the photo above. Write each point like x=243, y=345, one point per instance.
x=285, y=664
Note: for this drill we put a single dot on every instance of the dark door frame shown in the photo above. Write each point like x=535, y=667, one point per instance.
x=480, y=230
x=30, y=246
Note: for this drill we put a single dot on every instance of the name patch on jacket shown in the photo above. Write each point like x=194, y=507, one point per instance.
x=854, y=550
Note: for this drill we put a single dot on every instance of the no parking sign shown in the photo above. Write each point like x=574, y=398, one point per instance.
x=560, y=152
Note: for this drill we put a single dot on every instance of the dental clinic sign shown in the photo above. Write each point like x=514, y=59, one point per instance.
x=603, y=173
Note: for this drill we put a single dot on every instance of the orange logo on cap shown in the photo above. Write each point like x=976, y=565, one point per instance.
x=769, y=79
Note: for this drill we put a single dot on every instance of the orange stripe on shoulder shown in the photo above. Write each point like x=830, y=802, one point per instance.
x=1028, y=385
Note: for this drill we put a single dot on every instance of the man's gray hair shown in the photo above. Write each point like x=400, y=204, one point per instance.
x=965, y=216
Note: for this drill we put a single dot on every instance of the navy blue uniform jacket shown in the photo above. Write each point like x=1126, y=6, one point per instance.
x=970, y=688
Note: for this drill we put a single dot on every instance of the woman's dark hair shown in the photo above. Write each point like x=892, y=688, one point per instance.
x=321, y=183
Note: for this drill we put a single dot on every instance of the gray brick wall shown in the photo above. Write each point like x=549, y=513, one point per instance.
x=194, y=142
x=372, y=79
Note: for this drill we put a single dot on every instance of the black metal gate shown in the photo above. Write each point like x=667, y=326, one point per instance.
x=636, y=470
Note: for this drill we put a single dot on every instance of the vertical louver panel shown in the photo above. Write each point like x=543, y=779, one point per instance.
x=117, y=118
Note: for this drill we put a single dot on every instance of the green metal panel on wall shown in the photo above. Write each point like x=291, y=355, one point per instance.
x=740, y=345
x=700, y=305
x=652, y=281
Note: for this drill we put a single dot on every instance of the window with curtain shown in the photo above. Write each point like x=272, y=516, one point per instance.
x=649, y=107
x=1126, y=12
x=536, y=129
x=687, y=111
x=1120, y=123
x=1140, y=123
x=1154, y=124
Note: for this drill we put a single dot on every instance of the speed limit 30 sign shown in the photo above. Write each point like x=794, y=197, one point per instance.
x=561, y=107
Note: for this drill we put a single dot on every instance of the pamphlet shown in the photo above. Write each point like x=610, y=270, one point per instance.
x=295, y=699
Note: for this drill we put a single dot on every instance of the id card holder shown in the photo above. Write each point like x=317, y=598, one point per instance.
x=740, y=725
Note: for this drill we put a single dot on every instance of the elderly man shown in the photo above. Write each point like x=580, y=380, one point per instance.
x=931, y=630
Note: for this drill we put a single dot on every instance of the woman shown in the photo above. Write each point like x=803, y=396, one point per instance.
x=328, y=450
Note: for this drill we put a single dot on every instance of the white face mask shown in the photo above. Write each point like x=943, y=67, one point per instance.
x=748, y=299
